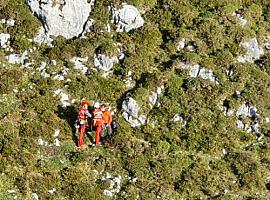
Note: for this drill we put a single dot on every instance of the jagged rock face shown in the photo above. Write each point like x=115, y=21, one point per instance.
x=131, y=107
x=104, y=62
x=197, y=71
x=130, y=112
x=17, y=58
x=254, y=51
x=127, y=18
x=154, y=98
x=65, y=18
x=246, y=110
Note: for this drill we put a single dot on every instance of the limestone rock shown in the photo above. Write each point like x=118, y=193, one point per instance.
x=67, y=18
x=154, y=98
x=64, y=98
x=254, y=51
x=247, y=110
x=127, y=18
x=104, y=62
x=4, y=37
x=181, y=44
x=78, y=64
x=178, y=118
x=20, y=59
x=197, y=71
x=131, y=112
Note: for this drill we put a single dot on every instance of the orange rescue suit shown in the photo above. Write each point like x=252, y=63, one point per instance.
x=97, y=123
x=107, y=117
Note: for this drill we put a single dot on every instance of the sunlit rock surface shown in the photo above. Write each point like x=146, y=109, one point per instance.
x=67, y=18
x=127, y=18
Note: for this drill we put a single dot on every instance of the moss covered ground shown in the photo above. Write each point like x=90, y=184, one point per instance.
x=207, y=158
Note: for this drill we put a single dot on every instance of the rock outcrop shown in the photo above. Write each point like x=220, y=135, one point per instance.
x=254, y=51
x=127, y=18
x=67, y=18
x=131, y=112
x=4, y=37
x=197, y=71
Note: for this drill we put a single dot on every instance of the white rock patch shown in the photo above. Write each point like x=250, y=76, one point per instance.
x=154, y=97
x=61, y=76
x=78, y=64
x=56, y=133
x=127, y=18
x=53, y=190
x=40, y=142
x=66, y=18
x=197, y=71
x=115, y=184
x=254, y=51
x=107, y=193
x=4, y=37
x=178, y=118
x=34, y=196
x=130, y=83
x=104, y=62
x=64, y=98
x=42, y=37
x=130, y=112
x=8, y=22
x=246, y=110
x=11, y=191
x=18, y=59
x=181, y=44
x=56, y=142
x=42, y=69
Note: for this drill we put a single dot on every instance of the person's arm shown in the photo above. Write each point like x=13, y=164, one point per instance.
x=88, y=114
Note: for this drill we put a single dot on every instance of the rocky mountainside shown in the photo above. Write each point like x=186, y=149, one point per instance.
x=188, y=81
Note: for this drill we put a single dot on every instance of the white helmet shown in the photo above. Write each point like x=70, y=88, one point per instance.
x=97, y=105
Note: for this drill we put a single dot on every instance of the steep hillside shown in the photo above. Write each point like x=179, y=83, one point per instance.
x=188, y=81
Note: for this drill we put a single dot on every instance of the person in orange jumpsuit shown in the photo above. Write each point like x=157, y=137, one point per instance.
x=82, y=123
x=107, y=120
x=97, y=122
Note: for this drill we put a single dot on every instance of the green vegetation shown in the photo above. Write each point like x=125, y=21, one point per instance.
x=207, y=158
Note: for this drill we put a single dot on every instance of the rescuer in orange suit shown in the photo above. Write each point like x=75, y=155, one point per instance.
x=107, y=120
x=97, y=122
x=81, y=122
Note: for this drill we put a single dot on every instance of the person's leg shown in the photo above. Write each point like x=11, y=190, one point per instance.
x=98, y=132
x=102, y=135
x=109, y=129
x=82, y=133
